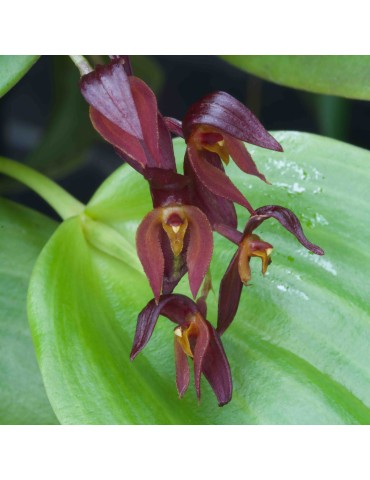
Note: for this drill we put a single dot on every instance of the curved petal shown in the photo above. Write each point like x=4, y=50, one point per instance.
x=108, y=90
x=147, y=110
x=200, y=350
x=127, y=145
x=226, y=113
x=229, y=295
x=216, y=368
x=287, y=219
x=175, y=307
x=149, y=249
x=182, y=369
x=214, y=179
x=200, y=247
x=242, y=157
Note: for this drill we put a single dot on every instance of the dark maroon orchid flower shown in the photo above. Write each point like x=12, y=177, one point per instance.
x=194, y=337
x=250, y=245
x=123, y=109
x=218, y=124
x=186, y=228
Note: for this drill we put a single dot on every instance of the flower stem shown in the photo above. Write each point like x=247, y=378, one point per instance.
x=81, y=63
x=61, y=201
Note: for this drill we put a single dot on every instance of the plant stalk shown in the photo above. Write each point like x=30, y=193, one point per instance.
x=61, y=201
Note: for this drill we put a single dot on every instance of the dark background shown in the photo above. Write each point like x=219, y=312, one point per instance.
x=44, y=121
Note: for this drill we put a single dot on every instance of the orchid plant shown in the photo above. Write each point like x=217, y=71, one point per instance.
x=176, y=237
x=173, y=234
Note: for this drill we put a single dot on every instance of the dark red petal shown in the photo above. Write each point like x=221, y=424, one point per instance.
x=224, y=112
x=229, y=295
x=217, y=209
x=127, y=145
x=182, y=369
x=165, y=146
x=201, y=346
x=174, y=126
x=216, y=368
x=108, y=90
x=175, y=307
x=200, y=247
x=147, y=110
x=149, y=250
x=214, y=179
x=241, y=157
x=230, y=233
x=288, y=220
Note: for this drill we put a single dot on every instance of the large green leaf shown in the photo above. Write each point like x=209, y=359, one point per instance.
x=22, y=395
x=299, y=346
x=12, y=69
x=342, y=75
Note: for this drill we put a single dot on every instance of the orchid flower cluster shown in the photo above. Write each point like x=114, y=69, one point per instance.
x=176, y=236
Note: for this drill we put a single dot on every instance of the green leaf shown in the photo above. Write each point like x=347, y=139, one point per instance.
x=13, y=68
x=341, y=75
x=298, y=347
x=22, y=395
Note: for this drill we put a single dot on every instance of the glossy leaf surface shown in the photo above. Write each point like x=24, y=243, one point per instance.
x=341, y=75
x=22, y=395
x=299, y=345
x=12, y=69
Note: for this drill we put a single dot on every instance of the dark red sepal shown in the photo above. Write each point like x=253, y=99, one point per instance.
x=214, y=179
x=149, y=250
x=199, y=252
x=229, y=295
x=287, y=219
x=242, y=157
x=216, y=368
x=107, y=89
x=223, y=112
x=182, y=369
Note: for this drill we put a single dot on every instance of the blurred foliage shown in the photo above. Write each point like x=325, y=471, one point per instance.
x=340, y=75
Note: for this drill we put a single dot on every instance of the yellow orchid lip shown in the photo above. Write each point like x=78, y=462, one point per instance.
x=175, y=224
x=252, y=246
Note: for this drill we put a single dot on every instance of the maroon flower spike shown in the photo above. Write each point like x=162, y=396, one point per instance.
x=219, y=123
x=124, y=111
x=181, y=224
x=195, y=337
x=250, y=245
